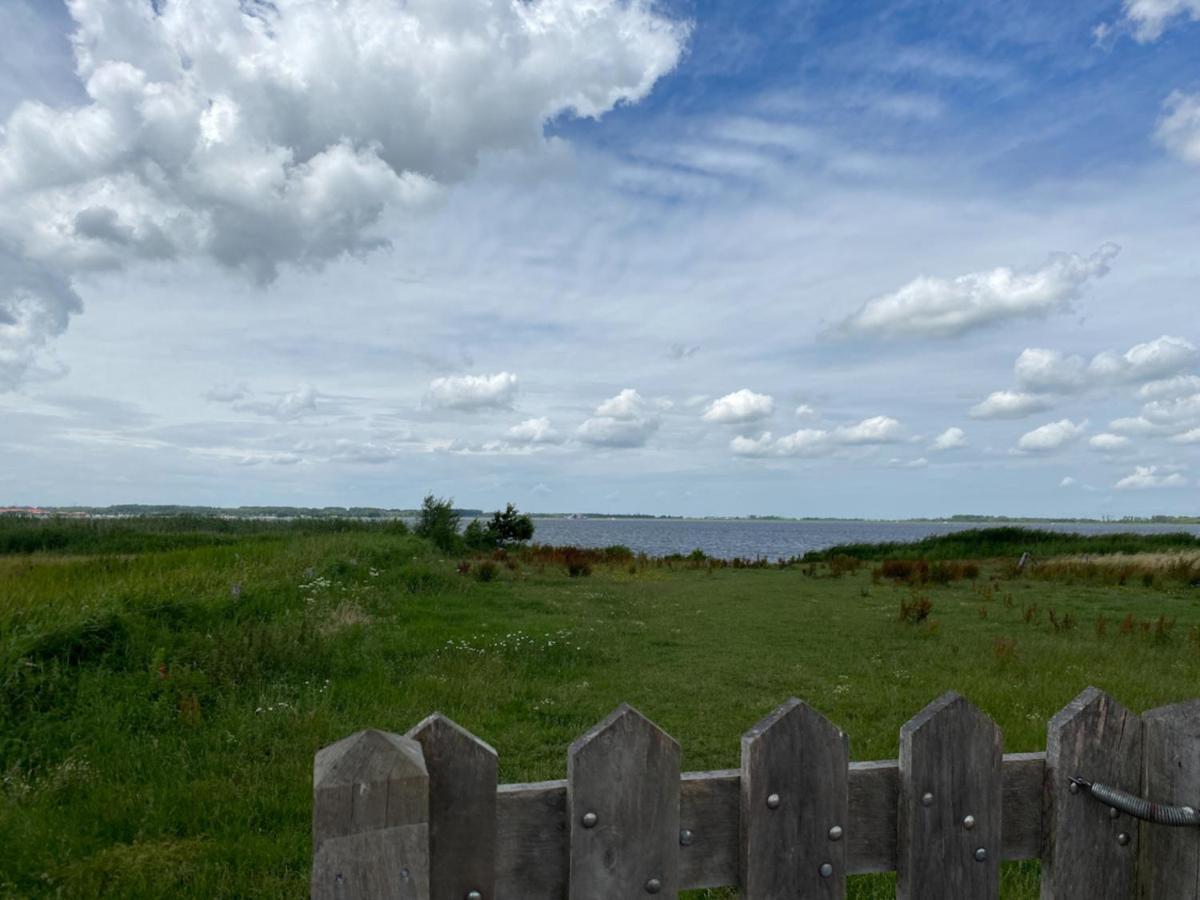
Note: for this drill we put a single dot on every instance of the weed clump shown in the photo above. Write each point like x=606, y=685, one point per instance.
x=916, y=611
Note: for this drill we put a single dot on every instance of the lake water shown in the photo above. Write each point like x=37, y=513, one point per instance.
x=747, y=538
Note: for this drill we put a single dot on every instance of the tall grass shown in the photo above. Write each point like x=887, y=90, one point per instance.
x=998, y=543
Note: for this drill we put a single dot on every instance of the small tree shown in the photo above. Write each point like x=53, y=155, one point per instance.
x=510, y=526
x=439, y=522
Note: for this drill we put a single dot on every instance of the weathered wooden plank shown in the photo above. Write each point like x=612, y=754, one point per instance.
x=949, y=831
x=708, y=829
x=532, y=844
x=1021, y=817
x=623, y=808
x=1095, y=738
x=871, y=834
x=794, y=806
x=1169, y=863
x=385, y=864
x=370, y=815
x=462, y=810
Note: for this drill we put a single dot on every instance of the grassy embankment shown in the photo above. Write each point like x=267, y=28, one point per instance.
x=164, y=685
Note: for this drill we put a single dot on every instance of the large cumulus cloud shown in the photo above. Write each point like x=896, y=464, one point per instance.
x=260, y=133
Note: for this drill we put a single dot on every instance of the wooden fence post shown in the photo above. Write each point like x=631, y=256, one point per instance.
x=1169, y=865
x=370, y=815
x=949, y=840
x=623, y=808
x=462, y=810
x=1097, y=739
x=795, y=806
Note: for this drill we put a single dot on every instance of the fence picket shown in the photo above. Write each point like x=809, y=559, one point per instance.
x=462, y=810
x=1169, y=863
x=370, y=819
x=623, y=808
x=794, y=806
x=949, y=838
x=1096, y=738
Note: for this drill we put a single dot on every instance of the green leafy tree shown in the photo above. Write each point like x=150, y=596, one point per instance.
x=439, y=522
x=510, y=526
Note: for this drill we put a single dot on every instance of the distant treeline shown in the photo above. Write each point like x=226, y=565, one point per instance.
x=158, y=533
x=250, y=512
x=997, y=543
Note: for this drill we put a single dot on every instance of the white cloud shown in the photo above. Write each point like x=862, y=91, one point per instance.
x=804, y=411
x=1179, y=127
x=1169, y=388
x=938, y=307
x=950, y=439
x=534, y=431
x=919, y=463
x=1178, y=412
x=1050, y=371
x=1158, y=359
x=1149, y=18
x=876, y=430
x=260, y=134
x=469, y=392
x=1146, y=477
x=1135, y=425
x=1187, y=437
x=284, y=405
x=739, y=407
x=626, y=420
x=744, y=446
x=1109, y=443
x=805, y=442
x=1067, y=482
x=35, y=306
x=1051, y=437
x=1008, y=405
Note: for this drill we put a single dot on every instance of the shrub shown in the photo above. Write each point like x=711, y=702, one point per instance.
x=915, y=612
x=486, y=571
x=439, y=522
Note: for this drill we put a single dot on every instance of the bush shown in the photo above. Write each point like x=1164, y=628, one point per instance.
x=486, y=571
x=439, y=523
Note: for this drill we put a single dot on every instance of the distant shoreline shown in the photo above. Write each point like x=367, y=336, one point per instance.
x=357, y=512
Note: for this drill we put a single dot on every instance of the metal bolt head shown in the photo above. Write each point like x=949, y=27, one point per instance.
x=927, y=799
x=980, y=855
x=969, y=822
x=835, y=833
x=474, y=895
x=686, y=838
x=826, y=870
x=773, y=801
x=1123, y=839
x=1114, y=813
x=590, y=819
x=653, y=886
x=1073, y=788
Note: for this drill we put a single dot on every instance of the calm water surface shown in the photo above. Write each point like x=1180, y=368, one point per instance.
x=727, y=539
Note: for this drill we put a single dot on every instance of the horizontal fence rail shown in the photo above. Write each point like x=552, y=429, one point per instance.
x=421, y=817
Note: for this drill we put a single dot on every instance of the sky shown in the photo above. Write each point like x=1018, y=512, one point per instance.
x=688, y=257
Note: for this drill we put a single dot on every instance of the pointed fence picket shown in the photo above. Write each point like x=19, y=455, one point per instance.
x=420, y=816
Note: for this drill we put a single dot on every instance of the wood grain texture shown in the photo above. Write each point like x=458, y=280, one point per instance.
x=1095, y=738
x=708, y=811
x=625, y=771
x=385, y=864
x=1021, y=816
x=370, y=815
x=951, y=752
x=1169, y=861
x=462, y=809
x=532, y=844
x=793, y=791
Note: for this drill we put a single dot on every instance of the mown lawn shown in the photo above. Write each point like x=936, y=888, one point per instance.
x=159, y=710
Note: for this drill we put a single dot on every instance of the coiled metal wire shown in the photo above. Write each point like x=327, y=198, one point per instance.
x=1139, y=807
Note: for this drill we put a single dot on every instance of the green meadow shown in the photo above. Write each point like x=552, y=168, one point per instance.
x=165, y=684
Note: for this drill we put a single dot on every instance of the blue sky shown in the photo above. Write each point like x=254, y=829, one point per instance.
x=802, y=258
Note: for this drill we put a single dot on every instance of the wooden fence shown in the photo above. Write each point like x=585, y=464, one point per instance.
x=420, y=816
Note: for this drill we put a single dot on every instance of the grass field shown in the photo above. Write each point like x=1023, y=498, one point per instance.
x=161, y=701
